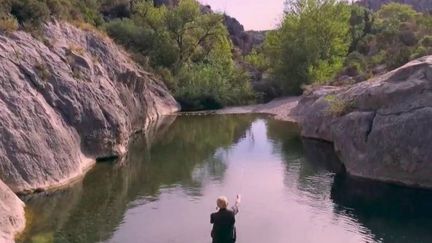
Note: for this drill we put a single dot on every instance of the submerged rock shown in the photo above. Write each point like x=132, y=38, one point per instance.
x=380, y=127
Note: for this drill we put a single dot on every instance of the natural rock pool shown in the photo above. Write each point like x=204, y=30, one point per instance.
x=165, y=190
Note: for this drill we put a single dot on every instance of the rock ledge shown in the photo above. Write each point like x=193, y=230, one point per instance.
x=380, y=128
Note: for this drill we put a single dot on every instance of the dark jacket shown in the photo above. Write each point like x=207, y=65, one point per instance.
x=223, y=226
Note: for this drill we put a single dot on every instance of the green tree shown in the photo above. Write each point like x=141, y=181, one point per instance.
x=391, y=16
x=311, y=44
x=361, y=21
x=190, y=49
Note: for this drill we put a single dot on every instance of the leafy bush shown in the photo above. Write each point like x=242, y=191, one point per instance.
x=355, y=64
x=419, y=52
x=211, y=86
x=426, y=41
x=258, y=60
x=311, y=44
x=338, y=106
x=30, y=13
x=399, y=57
x=129, y=34
x=379, y=58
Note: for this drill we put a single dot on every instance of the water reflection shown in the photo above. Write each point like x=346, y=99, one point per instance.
x=165, y=188
x=392, y=213
x=183, y=155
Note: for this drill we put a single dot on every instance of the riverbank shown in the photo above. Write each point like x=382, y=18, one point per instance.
x=280, y=108
x=379, y=127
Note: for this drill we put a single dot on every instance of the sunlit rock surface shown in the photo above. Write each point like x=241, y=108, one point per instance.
x=380, y=128
x=67, y=98
x=11, y=214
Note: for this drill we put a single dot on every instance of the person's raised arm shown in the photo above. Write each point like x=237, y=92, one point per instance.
x=236, y=204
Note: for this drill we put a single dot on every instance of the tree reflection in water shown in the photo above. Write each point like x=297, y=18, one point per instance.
x=182, y=156
x=178, y=169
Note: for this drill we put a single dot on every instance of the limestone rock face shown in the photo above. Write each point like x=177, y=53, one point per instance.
x=11, y=214
x=66, y=100
x=381, y=127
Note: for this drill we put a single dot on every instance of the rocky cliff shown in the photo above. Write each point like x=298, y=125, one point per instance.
x=244, y=40
x=380, y=127
x=67, y=99
x=11, y=214
x=419, y=5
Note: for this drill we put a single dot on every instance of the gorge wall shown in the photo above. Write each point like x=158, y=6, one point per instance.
x=380, y=127
x=67, y=98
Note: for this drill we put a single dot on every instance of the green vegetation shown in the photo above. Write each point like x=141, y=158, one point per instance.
x=310, y=45
x=317, y=42
x=42, y=71
x=189, y=49
x=323, y=41
x=338, y=106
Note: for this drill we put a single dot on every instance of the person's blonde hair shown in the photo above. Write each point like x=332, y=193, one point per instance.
x=222, y=202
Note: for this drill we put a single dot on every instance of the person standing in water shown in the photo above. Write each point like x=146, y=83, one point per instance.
x=223, y=221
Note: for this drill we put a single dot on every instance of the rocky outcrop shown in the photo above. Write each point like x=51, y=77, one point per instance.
x=379, y=128
x=68, y=100
x=419, y=5
x=244, y=40
x=11, y=214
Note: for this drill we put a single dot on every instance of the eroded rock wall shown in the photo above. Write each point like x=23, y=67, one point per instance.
x=380, y=128
x=66, y=100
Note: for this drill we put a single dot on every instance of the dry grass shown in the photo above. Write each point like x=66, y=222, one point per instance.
x=338, y=106
x=8, y=24
x=90, y=28
x=42, y=71
x=77, y=49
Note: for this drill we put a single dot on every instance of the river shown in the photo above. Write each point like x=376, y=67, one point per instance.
x=165, y=190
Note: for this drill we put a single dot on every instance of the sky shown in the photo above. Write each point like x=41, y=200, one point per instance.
x=252, y=14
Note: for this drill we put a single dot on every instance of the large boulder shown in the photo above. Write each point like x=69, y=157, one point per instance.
x=380, y=127
x=12, y=219
x=66, y=99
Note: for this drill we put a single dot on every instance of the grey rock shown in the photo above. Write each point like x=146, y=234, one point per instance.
x=66, y=101
x=380, y=127
x=11, y=214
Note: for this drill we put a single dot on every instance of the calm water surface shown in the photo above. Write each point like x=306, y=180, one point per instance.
x=165, y=191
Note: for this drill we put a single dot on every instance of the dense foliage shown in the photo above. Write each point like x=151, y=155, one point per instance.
x=329, y=41
x=317, y=42
x=310, y=45
x=190, y=49
x=397, y=34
